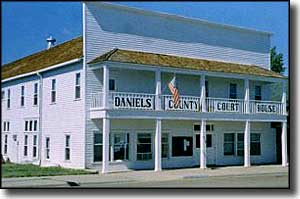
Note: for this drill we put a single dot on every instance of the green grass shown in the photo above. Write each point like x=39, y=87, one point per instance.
x=10, y=170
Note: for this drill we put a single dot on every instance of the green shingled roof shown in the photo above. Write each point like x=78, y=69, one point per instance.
x=58, y=54
x=145, y=58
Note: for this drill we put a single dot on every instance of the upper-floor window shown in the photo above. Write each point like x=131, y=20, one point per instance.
x=22, y=96
x=53, y=91
x=3, y=95
x=8, y=98
x=31, y=126
x=112, y=85
x=232, y=91
x=206, y=89
x=77, y=86
x=35, y=94
x=257, y=92
x=6, y=126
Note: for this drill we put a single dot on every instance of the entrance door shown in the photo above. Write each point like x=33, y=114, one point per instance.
x=210, y=145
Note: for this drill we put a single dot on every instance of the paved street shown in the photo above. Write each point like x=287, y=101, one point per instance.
x=236, y=176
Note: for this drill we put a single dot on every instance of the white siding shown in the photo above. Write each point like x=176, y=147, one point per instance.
x=109, y=27
x=66, y=116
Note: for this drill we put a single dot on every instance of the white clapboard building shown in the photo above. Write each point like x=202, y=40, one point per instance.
x=103, y=101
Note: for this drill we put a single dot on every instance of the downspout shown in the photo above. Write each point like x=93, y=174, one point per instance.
x=40, y=118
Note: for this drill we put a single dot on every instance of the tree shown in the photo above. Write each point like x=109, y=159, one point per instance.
x=276, y=61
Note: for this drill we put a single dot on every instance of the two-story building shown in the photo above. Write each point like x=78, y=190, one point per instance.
x=102, y=100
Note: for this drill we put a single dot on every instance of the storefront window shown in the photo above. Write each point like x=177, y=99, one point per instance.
x=164, y=145
x=182, y=146
x=121, y=146
x=97, y=147
x=144, y=149
x=229, y=144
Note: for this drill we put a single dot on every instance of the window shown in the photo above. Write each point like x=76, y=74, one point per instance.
x=34, y=146
x=229, y=144
x=8, y=98
x=5, y=144
x=206, y=89
x=257, y=92
x=53, y=91
x=22, y=96
x=26, y=145
x=182, y=146
x=47, y=148
x=112, y=85
x=144, y=146
x=6, y=125
x=35, y=125
x=97, y=147
x=35, y=94
x=121, y=146
x=232, y=91
x=77, y=86
x=240, y=144
x=164, y=145
x=3, y=95
x=67, y=147
x=31, y=126
x=255, y=144
x=208, y=140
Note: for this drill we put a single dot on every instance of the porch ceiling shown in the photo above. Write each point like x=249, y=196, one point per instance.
x=145, y=58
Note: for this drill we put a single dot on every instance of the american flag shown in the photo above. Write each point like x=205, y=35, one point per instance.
x=174, y=91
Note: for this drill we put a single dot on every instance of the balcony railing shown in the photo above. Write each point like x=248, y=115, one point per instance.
x=144, y=101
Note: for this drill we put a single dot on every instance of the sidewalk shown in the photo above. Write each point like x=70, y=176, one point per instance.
x=142, y=176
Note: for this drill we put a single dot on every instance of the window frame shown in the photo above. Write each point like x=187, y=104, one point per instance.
x=233, y=95
x=166, y=144
x=5, y=144
x=34, y=146
x=53, y=91
x=229, y=142
x=31, y=125
x=144, y=156
x=35, y=94
x=255, y=142
x=100, y=144
x=77, y=86
x=67, y=147
x=25, y=153
x=114, y=84
x=8, y=99
x=22, y=96
x=47, y=148
x=258, y=96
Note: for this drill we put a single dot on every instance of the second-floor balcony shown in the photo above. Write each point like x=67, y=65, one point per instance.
x=144, y=101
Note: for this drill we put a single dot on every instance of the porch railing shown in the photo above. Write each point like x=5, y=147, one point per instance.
x=145, y=101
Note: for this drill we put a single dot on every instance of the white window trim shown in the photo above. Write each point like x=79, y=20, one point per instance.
x=25, y=145
x=5, y=150
x=151, y=144
x=67, y=147
x=33, y=122
x=77, y=85
x=34, y=145
x=22, y=96
x=35, y=94
x=53, y=91
x=47, y=149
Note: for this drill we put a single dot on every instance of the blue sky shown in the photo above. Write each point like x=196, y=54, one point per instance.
x=26, y=25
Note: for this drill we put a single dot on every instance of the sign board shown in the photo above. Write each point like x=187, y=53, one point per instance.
x=129, y=102
x=226, y=106
x=184, y=104
x=266, y=108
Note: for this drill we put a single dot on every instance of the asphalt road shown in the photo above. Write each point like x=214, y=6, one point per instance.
x=276, y=180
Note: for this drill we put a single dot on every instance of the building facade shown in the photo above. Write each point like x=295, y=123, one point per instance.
x=102, y=100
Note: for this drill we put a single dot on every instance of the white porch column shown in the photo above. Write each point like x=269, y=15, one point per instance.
x=284, y=144
x=105, y=86
x=247, y=144
x=105, y=145
x=157, y=90
x=158, y=145
x=202, y=97
x=247, y=97
x=283, y=99
x=203, y=145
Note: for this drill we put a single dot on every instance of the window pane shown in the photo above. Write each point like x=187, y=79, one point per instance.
x=97, y=138
x=53, y=84
x=197, y=127
x=208, y=140
x=35, y=88
x=97, y=153
x=255, y=137
x=255, y=149
x=77, y=79
x=67, y=141
x=229, y=137
x=228, y=149
x=182, y=146
x=197, y=140
x=240, y=137
x=112, y=85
